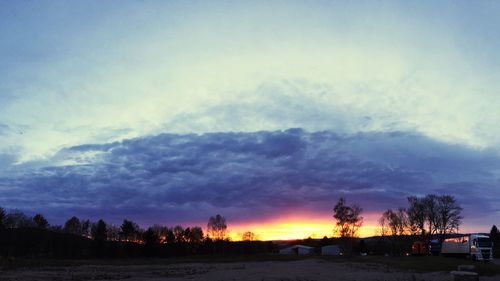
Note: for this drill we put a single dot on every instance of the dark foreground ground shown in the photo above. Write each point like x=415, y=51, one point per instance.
x=261, y=268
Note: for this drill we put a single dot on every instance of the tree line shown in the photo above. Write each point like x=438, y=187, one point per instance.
x=424, y=216
x=24, y=235
x=128, y=231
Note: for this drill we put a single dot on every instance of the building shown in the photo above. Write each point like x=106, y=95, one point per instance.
x=331, y=250
x=297, y=250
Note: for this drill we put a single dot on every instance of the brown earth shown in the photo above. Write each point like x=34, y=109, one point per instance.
x=297, y=270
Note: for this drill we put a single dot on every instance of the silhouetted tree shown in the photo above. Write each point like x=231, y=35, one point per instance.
x=494, y=233
x=151, y=241
x=17, y=219
x=169, y=236
x=179, y=233
x=113, y=232
x=129, y=230
x=40, y=221
x=99, y=231
x=217, y=227
x=449, y=218
x=2, y=218
x=416, y=214
x=495, y=237
x=384, y=228
x=163, y=233
x=100, y=235
x=248, y=236
x=396, y=221
x=195, y=235
x=86, y=228
x=73, y=226
x=348, y=218
x=431, y=212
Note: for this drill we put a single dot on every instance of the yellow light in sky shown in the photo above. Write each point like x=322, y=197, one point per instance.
x=294, y=227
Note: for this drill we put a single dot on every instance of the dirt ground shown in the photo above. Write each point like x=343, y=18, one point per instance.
x=299, y=270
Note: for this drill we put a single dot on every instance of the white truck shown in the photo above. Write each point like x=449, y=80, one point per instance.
x=474, y=246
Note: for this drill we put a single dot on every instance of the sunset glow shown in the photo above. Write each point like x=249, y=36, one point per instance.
x=295, y=227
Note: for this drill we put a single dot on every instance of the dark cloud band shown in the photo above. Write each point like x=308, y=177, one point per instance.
x=172, y=178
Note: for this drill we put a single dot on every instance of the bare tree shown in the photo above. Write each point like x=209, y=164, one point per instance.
x=179, y=234
x=217, y=227
x=162, y=232
x=389, y=216
x=431, y=212
x=384, y=228
x=348, y=218
x=449, y=218
x=397, y=221
x=416, y=214
x=113, y=232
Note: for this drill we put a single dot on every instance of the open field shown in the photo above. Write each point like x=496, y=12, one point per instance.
x=245, y=268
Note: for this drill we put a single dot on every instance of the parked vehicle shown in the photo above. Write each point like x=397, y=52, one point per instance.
x=474, y=246
x=419, y=248
x=435, y=247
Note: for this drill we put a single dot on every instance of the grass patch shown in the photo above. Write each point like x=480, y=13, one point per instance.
x=428, y=263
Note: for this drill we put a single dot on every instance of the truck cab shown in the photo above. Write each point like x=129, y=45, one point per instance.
x=481, y=247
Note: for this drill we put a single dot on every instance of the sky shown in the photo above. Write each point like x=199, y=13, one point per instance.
x=266, y=112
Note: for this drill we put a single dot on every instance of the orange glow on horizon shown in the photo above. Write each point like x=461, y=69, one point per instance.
x=294, y=227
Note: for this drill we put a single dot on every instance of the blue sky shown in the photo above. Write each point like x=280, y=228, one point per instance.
x=86, y=74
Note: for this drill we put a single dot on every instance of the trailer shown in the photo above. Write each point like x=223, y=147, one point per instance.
x=474, y=246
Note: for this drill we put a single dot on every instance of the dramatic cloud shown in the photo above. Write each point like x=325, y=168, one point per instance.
x=173, y=178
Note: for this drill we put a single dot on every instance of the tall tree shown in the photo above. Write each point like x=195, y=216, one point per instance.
x=100, y=231
x=397, y=221
x=416, y=213
x=113, y=232
x=169, y=235
x=2, y=218
x=217, y=227
x=129, y=230
x=431, y=212
x=73, y=226
x=17, y=219
x=348, y=218
x=384, y=227
x=449, y=214
x=179, y=234
x=195, y=235
x=86, y=228
x=150, y=238
x=495, y=237
x=494, y=233
x=40, y=221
